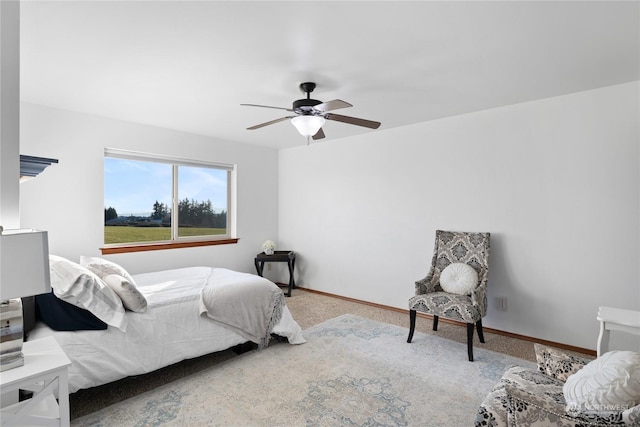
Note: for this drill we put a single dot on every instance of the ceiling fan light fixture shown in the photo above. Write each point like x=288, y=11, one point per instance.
x=308, y=125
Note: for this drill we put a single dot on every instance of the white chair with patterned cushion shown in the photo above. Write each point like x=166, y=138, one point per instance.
x=456, y=286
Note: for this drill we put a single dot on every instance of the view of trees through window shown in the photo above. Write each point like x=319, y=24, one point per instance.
x=139, y=201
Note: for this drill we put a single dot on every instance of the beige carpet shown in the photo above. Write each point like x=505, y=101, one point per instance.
x=309, y=309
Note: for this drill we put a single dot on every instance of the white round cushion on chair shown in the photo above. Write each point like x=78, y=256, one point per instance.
x=459, y=278
x=612, y=380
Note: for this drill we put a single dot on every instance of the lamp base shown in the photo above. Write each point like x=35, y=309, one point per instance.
x=11, y=334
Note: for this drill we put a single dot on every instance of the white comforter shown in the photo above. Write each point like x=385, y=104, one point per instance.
x=171, y=330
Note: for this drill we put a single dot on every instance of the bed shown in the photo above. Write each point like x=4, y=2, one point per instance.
x=177, y=322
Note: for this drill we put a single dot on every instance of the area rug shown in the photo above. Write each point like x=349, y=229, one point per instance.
x=351, y=372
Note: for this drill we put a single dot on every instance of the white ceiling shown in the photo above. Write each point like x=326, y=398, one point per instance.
x=188, y=65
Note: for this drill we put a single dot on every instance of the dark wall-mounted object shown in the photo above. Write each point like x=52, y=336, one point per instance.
x=31, y=166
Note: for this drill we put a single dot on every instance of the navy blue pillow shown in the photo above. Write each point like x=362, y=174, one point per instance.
x=62, y=316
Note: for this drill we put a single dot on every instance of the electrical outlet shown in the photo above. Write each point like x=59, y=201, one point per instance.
x=268, y=267
x=501, y=303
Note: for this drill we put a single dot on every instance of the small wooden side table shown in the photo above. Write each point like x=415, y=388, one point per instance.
x=278, y=256
x=44, y=372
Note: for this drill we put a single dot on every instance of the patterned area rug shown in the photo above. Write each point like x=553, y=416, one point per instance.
x=352, y=371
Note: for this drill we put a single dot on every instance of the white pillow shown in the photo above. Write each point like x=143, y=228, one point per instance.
x=131, y=297
x=77, y=285
x=611, y=381
x=102, y=267
x=459, y=278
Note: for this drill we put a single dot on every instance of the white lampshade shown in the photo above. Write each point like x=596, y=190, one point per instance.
x=308, y=125
x=24, y=263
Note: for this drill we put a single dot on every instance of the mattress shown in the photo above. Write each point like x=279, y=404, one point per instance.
x=171, y=330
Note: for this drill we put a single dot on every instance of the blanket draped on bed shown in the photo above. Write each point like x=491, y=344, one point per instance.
x=250, y=305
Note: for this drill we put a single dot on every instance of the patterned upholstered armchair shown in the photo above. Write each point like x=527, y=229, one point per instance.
x=454, y=247
x=534, y=397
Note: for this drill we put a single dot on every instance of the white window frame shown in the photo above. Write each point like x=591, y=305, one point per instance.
x=176, y=162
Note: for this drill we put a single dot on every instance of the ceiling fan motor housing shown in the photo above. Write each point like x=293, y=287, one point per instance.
x=305, y=106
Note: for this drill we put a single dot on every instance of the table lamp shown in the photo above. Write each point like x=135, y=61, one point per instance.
x=24, y=271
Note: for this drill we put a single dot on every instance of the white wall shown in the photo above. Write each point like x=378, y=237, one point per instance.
x=67, y=198
x=9, y=113
x=555, y=181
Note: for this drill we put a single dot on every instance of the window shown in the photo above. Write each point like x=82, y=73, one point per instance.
x=157, y=202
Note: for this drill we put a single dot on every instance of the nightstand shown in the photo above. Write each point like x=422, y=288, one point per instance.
x=278, y=256
x=44, y=373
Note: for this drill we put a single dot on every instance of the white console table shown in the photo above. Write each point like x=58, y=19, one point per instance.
x=616, y=319
x=45, y=374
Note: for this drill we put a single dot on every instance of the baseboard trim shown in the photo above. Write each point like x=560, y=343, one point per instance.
x=455, y=322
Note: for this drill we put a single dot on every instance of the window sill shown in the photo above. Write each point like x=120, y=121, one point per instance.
x=141, y=247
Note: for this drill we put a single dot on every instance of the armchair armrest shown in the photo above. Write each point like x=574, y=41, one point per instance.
x=526, y=408
x=479, y=298
x=426, y=285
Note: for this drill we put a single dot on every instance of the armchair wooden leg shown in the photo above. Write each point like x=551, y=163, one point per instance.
x=470, y=327
x=479, y=328
x=435, y=323
x=412, y=324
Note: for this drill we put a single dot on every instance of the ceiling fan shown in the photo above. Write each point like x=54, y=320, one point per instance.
x=311, y=114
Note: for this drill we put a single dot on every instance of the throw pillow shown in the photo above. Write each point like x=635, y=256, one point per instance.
x=59, y=315
x=77, y=285
x=610, y=382
x=459, y=278
x=102, y=267
x=131, y=297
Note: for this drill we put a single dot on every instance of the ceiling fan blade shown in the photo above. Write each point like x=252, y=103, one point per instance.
x=332, y=105
x=318, y=135
x=352, y=120
x=261, y=125
x=266, y=106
